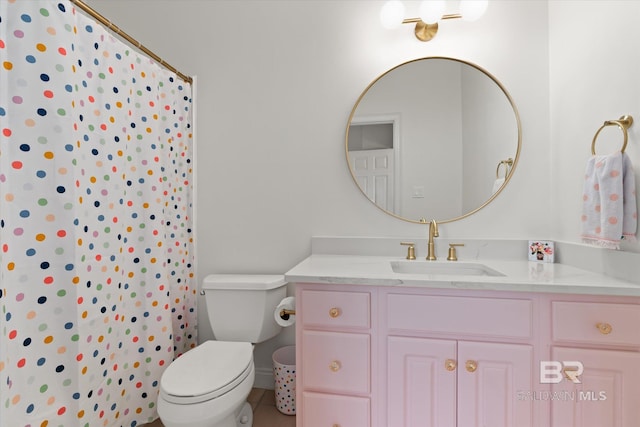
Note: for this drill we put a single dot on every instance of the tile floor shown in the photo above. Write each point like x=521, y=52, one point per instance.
x=265, y=413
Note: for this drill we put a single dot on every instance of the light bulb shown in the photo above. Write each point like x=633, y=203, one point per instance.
x=392, y=14
x=431, y=11
x=473, y=9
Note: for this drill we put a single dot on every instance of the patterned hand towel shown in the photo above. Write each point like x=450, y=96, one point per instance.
x=609, y=210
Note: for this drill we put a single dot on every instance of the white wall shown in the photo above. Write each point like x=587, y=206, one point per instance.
x=276, y=83
x=595, y=76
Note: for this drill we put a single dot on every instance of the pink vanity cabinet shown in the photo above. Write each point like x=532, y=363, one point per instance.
x=412, y=356
x=603, y=334
x=457, y=360
x=335, y=339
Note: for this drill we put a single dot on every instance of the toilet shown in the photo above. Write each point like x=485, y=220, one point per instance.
x=208, y=385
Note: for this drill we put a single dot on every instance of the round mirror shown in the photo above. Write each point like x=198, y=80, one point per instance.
x=433, y=138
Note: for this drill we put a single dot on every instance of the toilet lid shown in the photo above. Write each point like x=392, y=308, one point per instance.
x=213, y=366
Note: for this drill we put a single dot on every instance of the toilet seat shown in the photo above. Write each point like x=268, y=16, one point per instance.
x=208, y=371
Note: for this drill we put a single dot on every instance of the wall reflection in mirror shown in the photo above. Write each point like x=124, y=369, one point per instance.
x=433, y=138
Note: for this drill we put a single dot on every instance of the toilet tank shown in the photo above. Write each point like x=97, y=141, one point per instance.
x=241, y=306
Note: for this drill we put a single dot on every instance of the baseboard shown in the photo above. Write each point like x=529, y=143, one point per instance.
x=264, y=379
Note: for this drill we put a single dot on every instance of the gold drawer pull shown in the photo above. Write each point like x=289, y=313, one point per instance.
x=334, y=312
x=471, y=365
x=336, y=425
x=604, y=328
x=335, y=366
x=450, y=365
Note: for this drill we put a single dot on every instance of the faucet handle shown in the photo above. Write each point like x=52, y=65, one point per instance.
x=411, y=251
x=452, y=251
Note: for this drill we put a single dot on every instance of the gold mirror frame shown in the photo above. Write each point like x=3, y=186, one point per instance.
x=512, y=162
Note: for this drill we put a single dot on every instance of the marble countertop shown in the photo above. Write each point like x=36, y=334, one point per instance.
x=523, y=276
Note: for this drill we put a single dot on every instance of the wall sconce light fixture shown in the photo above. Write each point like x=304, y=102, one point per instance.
x=429, y=13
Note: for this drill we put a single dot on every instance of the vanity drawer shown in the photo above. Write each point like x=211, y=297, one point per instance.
x=596, y=323
x=336, y=362
x=326, y=410
x=336, y=309
x=496, y=317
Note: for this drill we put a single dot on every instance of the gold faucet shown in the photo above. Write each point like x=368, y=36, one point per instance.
x=433, y=232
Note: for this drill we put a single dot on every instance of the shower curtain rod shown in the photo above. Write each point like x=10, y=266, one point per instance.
x=113, y=27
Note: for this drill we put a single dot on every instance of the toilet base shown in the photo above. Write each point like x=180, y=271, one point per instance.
x=241, y=418
x=228, y=410
x=245, y=417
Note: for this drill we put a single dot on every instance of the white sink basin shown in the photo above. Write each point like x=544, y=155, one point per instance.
x=451, y=268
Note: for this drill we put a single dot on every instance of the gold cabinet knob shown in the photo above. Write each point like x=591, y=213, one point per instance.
x=335, y=366
x=471, y=365
x=450, y=365
x=604, y=328
x=336, y=425
x=334, y=312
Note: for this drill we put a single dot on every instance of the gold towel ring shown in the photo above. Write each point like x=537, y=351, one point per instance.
x=507, y=165
x=623, y=123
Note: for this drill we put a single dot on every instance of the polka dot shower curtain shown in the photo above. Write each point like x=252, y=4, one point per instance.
x=97, y=294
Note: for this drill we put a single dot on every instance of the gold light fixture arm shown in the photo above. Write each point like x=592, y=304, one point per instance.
x=425, y=32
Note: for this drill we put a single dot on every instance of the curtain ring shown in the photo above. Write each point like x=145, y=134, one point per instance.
x=623, y=123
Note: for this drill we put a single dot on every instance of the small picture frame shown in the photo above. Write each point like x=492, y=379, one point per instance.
x=541, y=250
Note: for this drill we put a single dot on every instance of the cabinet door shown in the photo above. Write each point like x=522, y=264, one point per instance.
x=421, y=390
x=490, y=377
x=608, y=393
